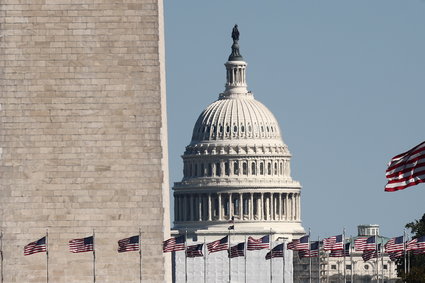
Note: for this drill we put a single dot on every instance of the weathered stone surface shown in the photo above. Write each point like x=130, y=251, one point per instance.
x=83, y=137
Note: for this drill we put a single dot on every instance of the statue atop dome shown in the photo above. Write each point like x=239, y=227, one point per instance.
x=235, y=33
x=235, y=56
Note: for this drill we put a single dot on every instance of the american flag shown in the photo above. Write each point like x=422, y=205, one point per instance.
x=218, y=245
x=81, y=245
x=302, y=244
x=360, y=243
x=174, y=244
x=418, y=251
x=341, y=253
x=416, y=244
x=332, y=243
x=237, y=250
x=370, y=243
x=368, y=254
x=128, y=244
x=275, y=252
x=36, y=247
x=406, y=169
x=395, y=255
x=313, y=252
x=194, y=250
x=258, y=244
x=291, y=245
x=395, y=244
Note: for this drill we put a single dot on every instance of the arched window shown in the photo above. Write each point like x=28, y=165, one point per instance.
x=210, y=170
x=253, y=168
x=236, y=168
x=281, y=168
x=245, y=168
x=242, y=129
x=227, y=168
x=235, y=129
x=269, y=168
x=275, y=168
x=261, y=168
x=217, y=169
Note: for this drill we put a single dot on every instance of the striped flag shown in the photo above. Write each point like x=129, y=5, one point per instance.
x=128, y=244
x=332, y=243
x=406, y=169
x=360, y=243
x=416, y=244
x=368, y=254
x=258, y=244
x=36, y=247
x=312, y=252
x=275, y=252
x=395, y=255
x=395, y=244
x=237, y=250
x=370, y=243
x=81, y=245
x=218, y=245
x=341, y=253
x=174, y=244
x=299, y=244
x=194, y=250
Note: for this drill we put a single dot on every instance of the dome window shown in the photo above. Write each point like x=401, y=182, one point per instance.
x=195, y=173
x=253, y=168
x=227, y=129
x=217, y=169
x=281, y=168
x=245, y=168
x=261, y=168
x=242, y=129
x=275, y=168
x=249, y=128
x=210, y=170
x=262, y=129
x=202, y=173
x=227, y=168
x=268, y=129
x=236, y=168
x=269, y=168
x=235, y=129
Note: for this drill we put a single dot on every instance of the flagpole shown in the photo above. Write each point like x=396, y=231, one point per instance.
x=350, y=250
x=318, y=258
x=230, y=264
x=377, y=259
x=245, y=252
x=1, y=254
x=343, y=253
x=271, y=257
x=404, y=250
x=47, y=256
x=283, y=259
x=309, y=234
x=140, y=254
x=185, y=256
x=94, y=258
x=205, y=260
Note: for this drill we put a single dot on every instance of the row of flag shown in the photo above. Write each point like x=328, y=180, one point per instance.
x=335, y=245
x=83, y=245
x=179, y=244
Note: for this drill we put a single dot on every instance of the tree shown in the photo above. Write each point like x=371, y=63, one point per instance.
x=416, y=273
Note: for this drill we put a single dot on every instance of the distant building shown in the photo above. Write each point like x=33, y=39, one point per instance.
x=237, y=173
x=356, y=269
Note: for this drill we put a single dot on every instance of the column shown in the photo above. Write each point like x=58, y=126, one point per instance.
x=262, y=207
x=220, y=215
x=280, y=207
x=200, y=207
x=251, y=207
x=230, y=206
x=191, y=208
x=210, y=210
x=184, y=218
x=271, y=206
x=293, y=207
x=240, y=206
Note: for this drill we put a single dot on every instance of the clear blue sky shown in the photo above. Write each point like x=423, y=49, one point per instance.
x=345, y=80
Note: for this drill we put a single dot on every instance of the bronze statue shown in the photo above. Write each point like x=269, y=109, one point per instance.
x=235, y=33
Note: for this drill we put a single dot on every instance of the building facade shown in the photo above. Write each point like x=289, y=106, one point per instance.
x=356, y=270
x=237, y=167
x=83, y=133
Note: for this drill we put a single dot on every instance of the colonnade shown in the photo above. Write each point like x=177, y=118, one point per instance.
x=250, y=206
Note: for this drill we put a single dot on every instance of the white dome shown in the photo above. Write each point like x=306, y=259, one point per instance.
x=239, y=117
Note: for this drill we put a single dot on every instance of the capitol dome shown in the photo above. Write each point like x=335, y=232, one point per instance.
x=237, y=167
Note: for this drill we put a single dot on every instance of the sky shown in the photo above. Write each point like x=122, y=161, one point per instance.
x=345, y=80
